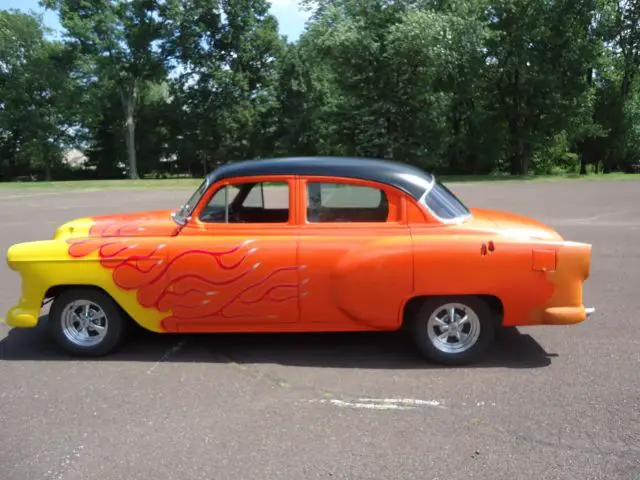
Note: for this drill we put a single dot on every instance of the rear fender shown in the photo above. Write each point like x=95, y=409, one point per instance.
x=526, y=283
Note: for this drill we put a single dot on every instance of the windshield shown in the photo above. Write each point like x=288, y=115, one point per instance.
x=443, y=203
x=188, y=207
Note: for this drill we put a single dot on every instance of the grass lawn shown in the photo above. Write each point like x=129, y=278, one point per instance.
x=102, y=184
x=194, y=182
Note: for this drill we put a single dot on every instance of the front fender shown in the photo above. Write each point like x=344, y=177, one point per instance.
x=45, y=264
x=40, y=265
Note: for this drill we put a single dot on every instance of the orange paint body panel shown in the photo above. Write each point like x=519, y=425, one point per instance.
x=219, y=270
x=359, y=280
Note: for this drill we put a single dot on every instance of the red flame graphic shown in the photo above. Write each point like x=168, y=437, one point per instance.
x=195, y=285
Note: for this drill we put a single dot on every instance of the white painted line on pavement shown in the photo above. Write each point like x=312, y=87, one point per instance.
x=383, y=403
x=394, y=403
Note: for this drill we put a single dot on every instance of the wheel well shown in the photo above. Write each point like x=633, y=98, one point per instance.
x=494, y=303
x=56, y=291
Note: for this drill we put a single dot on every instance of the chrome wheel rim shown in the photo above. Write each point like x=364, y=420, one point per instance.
x=453, y=328
x=84, y=323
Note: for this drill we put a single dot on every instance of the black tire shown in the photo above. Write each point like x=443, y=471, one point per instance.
x=434, y=350
x=116, y=322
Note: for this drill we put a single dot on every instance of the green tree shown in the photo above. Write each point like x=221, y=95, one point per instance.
x=224, y=56
x=40, y=110
x=538, y=57
x=617, y=83
x=471, y=86
x=120, y=39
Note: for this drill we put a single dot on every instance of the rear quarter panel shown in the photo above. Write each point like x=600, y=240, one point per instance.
x=451, y=262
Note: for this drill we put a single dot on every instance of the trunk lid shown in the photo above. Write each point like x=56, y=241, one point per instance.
x=511, y=224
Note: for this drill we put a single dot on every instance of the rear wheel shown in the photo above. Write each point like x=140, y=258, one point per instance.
x=453, y=330
x=86, y=322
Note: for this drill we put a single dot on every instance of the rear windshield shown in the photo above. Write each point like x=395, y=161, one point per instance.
x=444, y=204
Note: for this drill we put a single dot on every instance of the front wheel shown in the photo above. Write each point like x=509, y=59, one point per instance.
x=86, y=322
x=453, y=330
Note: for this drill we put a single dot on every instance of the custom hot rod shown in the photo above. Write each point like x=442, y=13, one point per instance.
x=305, y=245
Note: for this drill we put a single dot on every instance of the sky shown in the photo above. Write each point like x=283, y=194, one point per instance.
x=290, y=18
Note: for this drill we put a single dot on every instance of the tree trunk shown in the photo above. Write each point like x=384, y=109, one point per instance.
x=130, y=125
x=454, y=146
x=520, y=157
x=514, y=167
x=516, y=160
x=46, y=157
x=47, y=169
x=583, y=164
x=129, y=105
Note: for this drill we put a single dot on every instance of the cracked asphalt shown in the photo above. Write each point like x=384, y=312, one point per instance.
x=546, y=403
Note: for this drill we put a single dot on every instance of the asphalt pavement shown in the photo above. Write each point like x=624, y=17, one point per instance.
x=546, y=403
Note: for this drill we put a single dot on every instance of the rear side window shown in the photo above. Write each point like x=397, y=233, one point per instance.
x=443, y=203
x=341, y=202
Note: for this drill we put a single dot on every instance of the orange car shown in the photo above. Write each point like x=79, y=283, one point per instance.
x=305, y=245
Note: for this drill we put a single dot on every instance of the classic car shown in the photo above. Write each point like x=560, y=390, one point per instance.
x=319, y=244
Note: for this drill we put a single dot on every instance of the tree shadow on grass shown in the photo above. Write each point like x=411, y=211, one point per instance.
x=368, y=350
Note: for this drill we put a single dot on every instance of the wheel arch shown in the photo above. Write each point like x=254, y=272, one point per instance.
x=56, y=290
x=53, y=292
x=116, y=329
x=412, y=306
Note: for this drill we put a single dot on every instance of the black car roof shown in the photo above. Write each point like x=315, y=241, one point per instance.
x=407, y=178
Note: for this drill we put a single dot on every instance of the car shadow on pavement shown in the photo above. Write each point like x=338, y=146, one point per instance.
x=388, y=350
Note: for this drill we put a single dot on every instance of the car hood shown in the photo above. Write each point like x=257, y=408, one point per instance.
x=511, y=224
x=157, y=223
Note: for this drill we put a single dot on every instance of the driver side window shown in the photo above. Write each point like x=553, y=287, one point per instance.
x=225, y=194
x=263, y=202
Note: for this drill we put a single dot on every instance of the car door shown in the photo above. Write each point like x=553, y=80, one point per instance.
x=355, y=253
x=236, y=265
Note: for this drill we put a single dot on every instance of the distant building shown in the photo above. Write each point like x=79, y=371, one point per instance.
x=74, y=158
